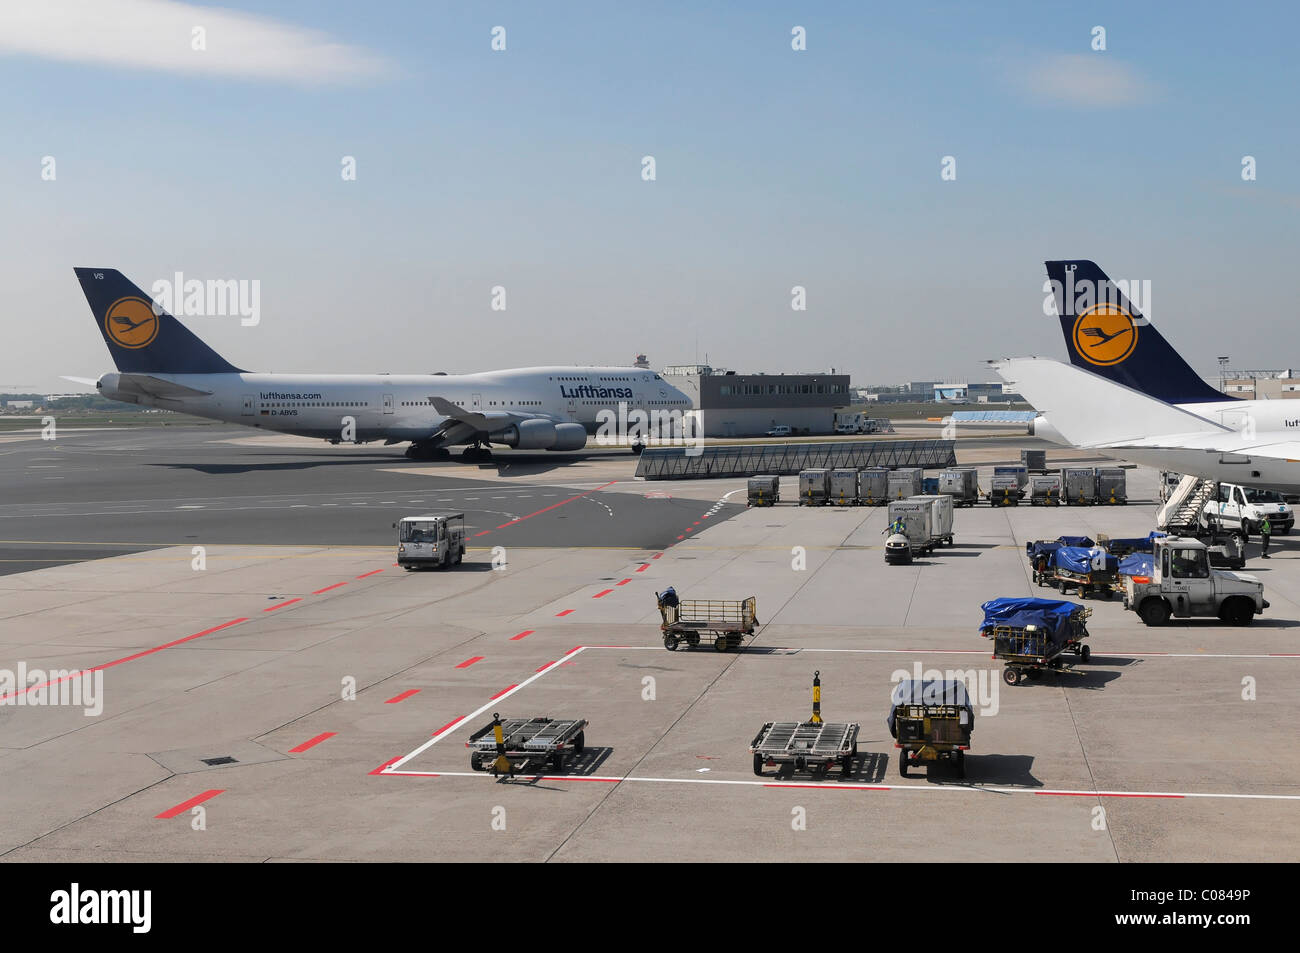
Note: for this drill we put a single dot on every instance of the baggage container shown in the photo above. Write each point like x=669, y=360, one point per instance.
x=1004, y=490
x=1078, y=486
x=844, y=486
x=1021, y=473
x=940, y=516
x=917, y=518
x=1045, y=489
x=961, y=484
x=873, y=486
x=1112, y=486
x=905, y=482
x=1035, y=461
x=814, y=487
x=764, y=490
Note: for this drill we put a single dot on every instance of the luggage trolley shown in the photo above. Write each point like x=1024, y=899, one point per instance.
x=507, y=747
x=724, y=621
x=1032, y=636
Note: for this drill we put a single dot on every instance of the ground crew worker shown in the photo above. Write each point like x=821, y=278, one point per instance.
x=897, y=527
x=1265, y=531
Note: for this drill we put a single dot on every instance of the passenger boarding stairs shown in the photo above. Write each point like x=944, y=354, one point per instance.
x=1181, y=513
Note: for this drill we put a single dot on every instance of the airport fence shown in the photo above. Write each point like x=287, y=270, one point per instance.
x=787, y=459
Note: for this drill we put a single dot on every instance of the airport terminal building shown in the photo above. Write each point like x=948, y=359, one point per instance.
x=729, y=404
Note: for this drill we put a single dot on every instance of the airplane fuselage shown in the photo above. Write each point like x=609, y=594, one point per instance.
x=397, y=407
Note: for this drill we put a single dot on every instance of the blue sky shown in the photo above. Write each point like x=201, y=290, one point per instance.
x=774, y=168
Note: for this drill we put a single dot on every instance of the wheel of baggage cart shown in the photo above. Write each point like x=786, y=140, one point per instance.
x=758, y=765
x=476, y=761
x=854, y=750
x=720, y=643
x=580, y=743
x=1011, y=676
x=846, y=763
x=557, y=760
x=961, y=764
x=1085, y=652
x=902, y=761
x=1062, y=587
x=670, y=642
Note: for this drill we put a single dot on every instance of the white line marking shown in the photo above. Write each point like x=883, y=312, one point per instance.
x=478, y=711
x=952, y=788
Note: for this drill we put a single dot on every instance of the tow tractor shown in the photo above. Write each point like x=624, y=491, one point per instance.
x=1182, y=584
x=813, y=745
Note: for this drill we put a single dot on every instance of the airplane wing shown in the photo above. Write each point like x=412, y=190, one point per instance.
x=1094, y=413
x=482, y=421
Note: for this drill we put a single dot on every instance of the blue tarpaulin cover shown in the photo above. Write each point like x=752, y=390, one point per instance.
x=1137, y=564
x=1086, y=542
x=1079, y=559
x=912, y=691
x=1051, y=615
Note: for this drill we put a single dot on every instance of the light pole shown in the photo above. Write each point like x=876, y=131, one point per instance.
x=1223, y=363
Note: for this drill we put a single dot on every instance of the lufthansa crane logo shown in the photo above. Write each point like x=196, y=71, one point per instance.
x=1105, y=334
x=131, y=323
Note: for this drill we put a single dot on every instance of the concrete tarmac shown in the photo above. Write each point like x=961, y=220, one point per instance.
x=300, y=698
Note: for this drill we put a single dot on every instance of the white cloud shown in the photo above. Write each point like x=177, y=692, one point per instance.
x=158, y=35
x=1085, y=79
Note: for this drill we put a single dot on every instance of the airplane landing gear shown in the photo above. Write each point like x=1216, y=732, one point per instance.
x=420, y=451
x=477, y=454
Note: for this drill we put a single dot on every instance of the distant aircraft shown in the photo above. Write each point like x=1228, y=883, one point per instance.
x=161, y=363
x=1135, y=398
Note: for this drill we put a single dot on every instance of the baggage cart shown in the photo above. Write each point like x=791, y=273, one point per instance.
x=844, y=486
x=814, y=487
x=722, y=622
x=523, y=741
x=931, y=722
x=764, y=490
x=1031, y=636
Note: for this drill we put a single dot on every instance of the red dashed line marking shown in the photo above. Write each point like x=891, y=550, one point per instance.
x=313, y=742
x=281, y=605
x=470, y=661
x=402, y=697
x=508, y=688
x=371, y=573
x=656, y=555
x=184, y=806
x=603, y=592
x=484, y=532
x=623, y=582
x=447, y=727
x=328, y=588
x=564, y=613
x=681, y=537
x=521, y=635
x=643, y=567
x=380, y=769
x=544, y=667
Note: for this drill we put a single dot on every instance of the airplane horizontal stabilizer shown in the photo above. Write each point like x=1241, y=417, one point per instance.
x=1092, y=412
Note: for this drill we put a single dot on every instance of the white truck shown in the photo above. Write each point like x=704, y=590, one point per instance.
x=1244, y=508
x=436, y=540
x=1183, y=585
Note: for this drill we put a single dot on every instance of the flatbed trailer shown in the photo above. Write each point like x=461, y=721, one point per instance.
x=807, y=745
x=724, y=622
x=539, y=740
x=1104, y=581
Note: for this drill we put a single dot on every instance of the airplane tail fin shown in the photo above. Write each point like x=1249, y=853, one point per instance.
x=140, y=339
x=1106, y=334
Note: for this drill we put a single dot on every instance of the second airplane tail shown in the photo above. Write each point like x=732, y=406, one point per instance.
x=141, y=339
x=1106, y=334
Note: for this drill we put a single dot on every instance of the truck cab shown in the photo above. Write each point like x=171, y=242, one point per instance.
x=1183, y=585
x=1244, y=508
x=436, y=540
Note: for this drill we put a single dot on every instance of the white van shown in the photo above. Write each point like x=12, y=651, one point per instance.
x=780, y=430
x=1244, y=508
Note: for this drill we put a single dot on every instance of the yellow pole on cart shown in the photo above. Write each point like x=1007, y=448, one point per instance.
x=502, y=764
x=817, y=698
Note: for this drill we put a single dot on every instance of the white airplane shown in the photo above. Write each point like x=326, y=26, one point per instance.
x=161, y=363
x=1128, y=394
